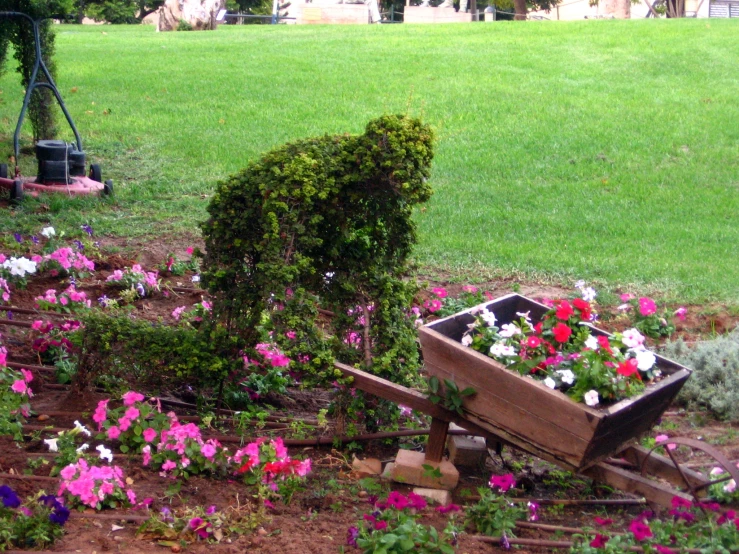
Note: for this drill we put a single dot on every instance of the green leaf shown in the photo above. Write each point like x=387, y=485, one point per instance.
x=124, y=448
x=469, y=391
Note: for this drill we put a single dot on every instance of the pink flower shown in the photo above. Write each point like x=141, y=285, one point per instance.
x=416, y=501
x=27, y=375
x=177, y=312
x=208, y=450
x=626, y=297
x=131, y=397
x=663, y=438
x=469, y=288
x=439, y=292
x=603, y=521
x=19, y=386
x=190, y=250
x=647, y=306
x=101, y=413
x=114, y=432
x=124, y=423
x=168, y=465
x=150, y=434
x=290, y=334
x=380, y=525
x=433, y=306
x=663, y=549
x=146, y=452
x=502, y=482
x=599, y=541
x=68, y=472
x=131, y=496
x=448, y=508
x=681, y=313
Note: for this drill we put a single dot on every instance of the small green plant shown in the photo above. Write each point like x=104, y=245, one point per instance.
x=394, y=528
x=494, y=514
x=183, y=25
x=36, y=524
x=448, y=396
x=714, y=384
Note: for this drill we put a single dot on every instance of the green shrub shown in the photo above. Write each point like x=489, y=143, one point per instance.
x=326, y=221
x=714, y=384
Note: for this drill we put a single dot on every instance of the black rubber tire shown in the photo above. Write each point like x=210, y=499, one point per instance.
x=108, y=188
x=16, y=192
x=4, y=171
x=96, y=173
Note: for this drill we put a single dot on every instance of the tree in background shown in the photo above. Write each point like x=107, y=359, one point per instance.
x=18, y=31
x=116, y=11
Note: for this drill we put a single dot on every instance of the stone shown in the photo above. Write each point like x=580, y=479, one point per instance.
x=200, y=14
x=466, y=450
x=366, y=468
x=441, y=497
x=409, y=469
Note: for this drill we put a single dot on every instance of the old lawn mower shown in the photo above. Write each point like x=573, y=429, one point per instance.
x=61, y=165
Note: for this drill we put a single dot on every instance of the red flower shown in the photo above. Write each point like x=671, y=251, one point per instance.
x=599, y=541
x=628, y=368
x=603, y=520
x=533, y=342
x=604, y=344
x=584, y=307
x=538, y=328
x=640, y=530
x=380, y=525
x=561, y=332
x=679, y=502
x=564, y=310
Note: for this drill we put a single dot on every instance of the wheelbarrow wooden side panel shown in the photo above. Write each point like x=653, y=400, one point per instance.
x=525, y=412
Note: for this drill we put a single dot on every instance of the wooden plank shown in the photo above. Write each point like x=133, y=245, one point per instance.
x=437, y=440
x=411, y=398
x=628, y=481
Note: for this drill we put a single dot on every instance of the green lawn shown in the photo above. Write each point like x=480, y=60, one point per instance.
x=603, y=150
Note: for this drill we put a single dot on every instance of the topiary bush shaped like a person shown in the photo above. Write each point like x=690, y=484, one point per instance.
x=324, y=221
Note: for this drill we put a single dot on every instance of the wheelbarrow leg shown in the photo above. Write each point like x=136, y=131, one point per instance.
x=437, y=440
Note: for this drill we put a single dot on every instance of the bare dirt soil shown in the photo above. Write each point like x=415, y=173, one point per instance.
x=317, y=519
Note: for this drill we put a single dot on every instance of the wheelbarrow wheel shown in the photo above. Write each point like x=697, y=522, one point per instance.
x=4, y=171
x=16, y=192
x=108, y=188
x=717, y=469
x=96, y=173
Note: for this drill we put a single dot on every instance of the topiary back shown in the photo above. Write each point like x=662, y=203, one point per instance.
x=324, y=220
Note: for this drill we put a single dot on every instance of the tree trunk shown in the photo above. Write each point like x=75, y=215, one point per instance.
x=620, y=9
x=520, y=6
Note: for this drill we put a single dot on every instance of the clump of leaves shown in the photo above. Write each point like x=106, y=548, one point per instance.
x=714, y=384
x=449, y=395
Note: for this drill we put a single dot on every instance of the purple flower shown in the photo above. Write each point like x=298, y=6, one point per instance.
x=8, y=497
x=59, y=515
x=87, y=229
x=505, y=544
x=34, y=239
x=18, y=238
x=211, y=509
x=79, y=245
x=166, y=514
x=351, y=536
x=140, y=289
x=9, y=315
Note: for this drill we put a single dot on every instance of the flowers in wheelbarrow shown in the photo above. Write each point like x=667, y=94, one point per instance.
x=565, y=352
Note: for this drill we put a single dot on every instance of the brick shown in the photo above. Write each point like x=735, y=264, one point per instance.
x=408, y=469
x=442, y=497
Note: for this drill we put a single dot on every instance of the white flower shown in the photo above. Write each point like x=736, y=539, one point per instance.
x=567, y=376
x=105, y=453
x=501, y=349
x=81, y=428
x=549, y=382
x=52, y=445
x=579, y=284
x=591, y=343
x=466, y=340
x=82, y=448
x=20, y=266
x=730, y=487
x=196, y=278
x=632, y=338
x=588, y=294
x=48, y=232
x=624, y=307
x=591, y=398
x=488, y=317
x=509, y=329
x=645, y=360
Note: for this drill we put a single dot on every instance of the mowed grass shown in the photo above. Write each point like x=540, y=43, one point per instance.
x=601, y=150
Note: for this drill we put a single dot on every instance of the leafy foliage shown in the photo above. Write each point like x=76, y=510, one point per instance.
x=494, y=514
x=325, y=219
x=714, y=384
